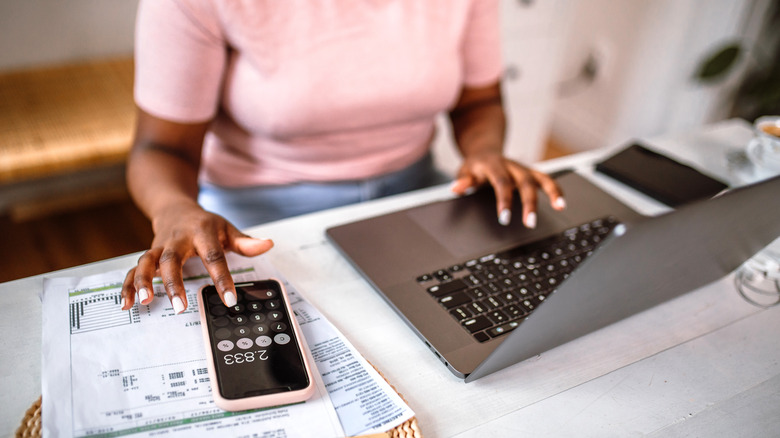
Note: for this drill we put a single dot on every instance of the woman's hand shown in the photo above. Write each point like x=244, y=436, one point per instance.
x=506, y=176
x=183, y=231
x=478, y=123
x=162, y=176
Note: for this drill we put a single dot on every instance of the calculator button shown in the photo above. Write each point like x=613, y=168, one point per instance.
x=275, y=316
x=215, y=299
x=260, y=329
x=282, y=338
x=241, y=331
x=222, y=333
x=218, y=310
x=267, y=294
x=272, y=304
x=237, y=309
x=221, y=321
x=263, y=341
x=254, y=306
x=278, y=327
x=225, y=345
x=239, y=319
x=245, y=343
x=257, y=317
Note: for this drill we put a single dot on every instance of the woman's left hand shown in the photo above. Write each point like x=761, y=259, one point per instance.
x=506, y=176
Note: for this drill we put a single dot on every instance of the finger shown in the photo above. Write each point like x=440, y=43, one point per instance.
x=171, y=263
x=212, y=254
x=551, y=188
x=128, y=291
x=503, y=187
x=245, y=245
x=464, y=185
x=144, y=275
x=527, y=187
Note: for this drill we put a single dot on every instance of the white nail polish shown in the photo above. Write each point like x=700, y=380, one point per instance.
x=470, y=190
x=143, y=294
x=505, y=217
x=230, y=299
x=530, y=220
x=122, y=303
x=560, y=203
x=178, y=305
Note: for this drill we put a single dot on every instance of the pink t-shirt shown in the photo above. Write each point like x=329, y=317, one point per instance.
x=311, y=90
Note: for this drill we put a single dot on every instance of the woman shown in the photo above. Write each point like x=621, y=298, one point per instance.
x=265, y=109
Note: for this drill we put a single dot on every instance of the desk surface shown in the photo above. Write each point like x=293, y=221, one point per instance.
x=704, y=364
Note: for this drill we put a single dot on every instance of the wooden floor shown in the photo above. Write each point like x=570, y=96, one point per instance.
x=85, y=235
x=69, y=239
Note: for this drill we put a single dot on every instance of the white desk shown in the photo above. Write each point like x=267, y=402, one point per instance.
x=705, y=364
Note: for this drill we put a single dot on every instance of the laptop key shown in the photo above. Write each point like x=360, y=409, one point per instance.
x=476, y=324
x=503, y=329
x=481, y=336
x=507, y=297
x=461, y=313
x=442, y=275
x=515, y=311
x=478, y=293
x=473, y=280
x=477, y=308
x=423, y=278
x=491, y=303
x=446, y=288
x=455, y=299
x=497, y=316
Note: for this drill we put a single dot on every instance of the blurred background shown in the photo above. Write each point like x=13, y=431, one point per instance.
x=580, y=74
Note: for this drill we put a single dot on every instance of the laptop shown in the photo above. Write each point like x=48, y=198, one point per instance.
x=429, y=260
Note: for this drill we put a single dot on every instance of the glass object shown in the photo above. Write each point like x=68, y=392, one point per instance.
x=758, y=279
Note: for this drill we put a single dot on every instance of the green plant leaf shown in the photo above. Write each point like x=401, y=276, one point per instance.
x=719, y=63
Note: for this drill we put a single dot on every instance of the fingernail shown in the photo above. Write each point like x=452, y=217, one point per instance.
x=559, y=203
x=230, y=299
x=530, y=220
x=467, y=191
x=122, y=303
x=143, y=294
x=178, y=304
x=505, y=217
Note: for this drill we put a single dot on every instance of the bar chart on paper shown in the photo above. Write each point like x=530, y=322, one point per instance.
x=99, y=308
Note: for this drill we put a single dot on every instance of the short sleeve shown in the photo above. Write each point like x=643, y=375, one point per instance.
x=180, y=57
x=482, y=64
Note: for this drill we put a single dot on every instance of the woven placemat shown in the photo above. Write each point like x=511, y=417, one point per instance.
x=31, y=423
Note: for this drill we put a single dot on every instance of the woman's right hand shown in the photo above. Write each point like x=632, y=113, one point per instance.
x=182, y=231
x=162, y=175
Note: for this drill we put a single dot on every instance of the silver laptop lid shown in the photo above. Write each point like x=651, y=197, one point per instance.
x=645, y=264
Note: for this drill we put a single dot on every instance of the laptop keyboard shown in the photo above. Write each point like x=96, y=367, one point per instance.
x=491, y=295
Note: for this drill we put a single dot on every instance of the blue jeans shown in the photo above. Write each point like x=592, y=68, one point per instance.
x=247, y=206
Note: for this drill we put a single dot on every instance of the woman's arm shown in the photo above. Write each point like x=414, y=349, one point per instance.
x=479, y=125
x=162, y=176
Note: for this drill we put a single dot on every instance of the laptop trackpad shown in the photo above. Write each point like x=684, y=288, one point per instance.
x=468, y=226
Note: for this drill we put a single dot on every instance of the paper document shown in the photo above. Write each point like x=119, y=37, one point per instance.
x=143, y=372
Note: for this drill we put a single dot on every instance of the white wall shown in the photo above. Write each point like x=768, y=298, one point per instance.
x=648, y=52
x=43, y=32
